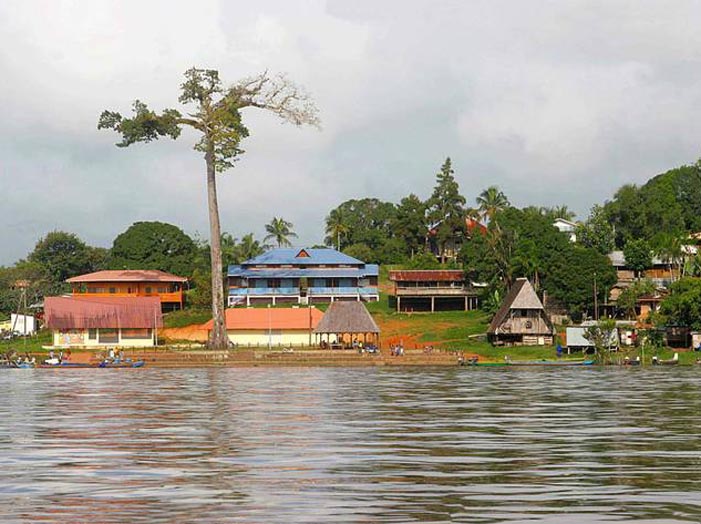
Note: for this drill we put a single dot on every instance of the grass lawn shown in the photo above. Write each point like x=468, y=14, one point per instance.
x=186, y=317
x=30, y=344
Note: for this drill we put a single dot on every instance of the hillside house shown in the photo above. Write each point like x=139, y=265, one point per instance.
x=521, y=319
x=431, y=290
x=302, y=276
x=170, y=289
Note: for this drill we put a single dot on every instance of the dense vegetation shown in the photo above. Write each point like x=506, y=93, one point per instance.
x=653, y=220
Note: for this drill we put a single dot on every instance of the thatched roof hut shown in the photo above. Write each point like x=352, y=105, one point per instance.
x=347, y=320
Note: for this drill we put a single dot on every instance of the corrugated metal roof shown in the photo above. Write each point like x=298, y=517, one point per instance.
x=127, y=275
x=270, y=318
x=575, y=337
x=347, y=317
x=290, y=256
x=368, y=271
x=618, y=259
x=434, y=275
x=103, y=312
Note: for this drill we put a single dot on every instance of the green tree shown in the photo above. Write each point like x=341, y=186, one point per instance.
x=409, y=224
x=336, y=228
x=628, y=299
x=638, y=255
x=248, y=248
x=601, y=335
x=597, y=233
x=216, y=118
x=154, y=245
x=669, y=247
x=682, y=307
x=359, y=251
x=423, y=260
x=446, y=210
x=61, y=255
x=365, y=221
x=280, y=230
x=490, y=202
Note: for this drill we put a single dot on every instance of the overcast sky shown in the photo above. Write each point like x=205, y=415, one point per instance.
x=556, y=102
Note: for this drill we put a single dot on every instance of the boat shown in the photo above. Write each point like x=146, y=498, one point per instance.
x=122, y=364
x=118, y=364
x=474, y=361
x=668, y=362
x=628, y=362
x=555, y=363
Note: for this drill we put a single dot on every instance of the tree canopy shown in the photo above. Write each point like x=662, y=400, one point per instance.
x=446, y=210
x=154, y=245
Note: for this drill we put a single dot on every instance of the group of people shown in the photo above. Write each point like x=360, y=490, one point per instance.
x=15, y=360
x=396, y=350
x=57, y=359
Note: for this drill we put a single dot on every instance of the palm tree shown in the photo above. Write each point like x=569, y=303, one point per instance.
x=491, y=201
x=670, y=248
x=248, y=248
x=336, y=227
x=280, y=230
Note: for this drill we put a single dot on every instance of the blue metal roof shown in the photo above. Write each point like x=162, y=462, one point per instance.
x=316, y=256
x=370, y=270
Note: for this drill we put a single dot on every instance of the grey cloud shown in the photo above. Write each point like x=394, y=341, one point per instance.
x=556, y=102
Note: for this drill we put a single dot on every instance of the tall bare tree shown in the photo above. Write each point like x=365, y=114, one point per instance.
x=216, y=116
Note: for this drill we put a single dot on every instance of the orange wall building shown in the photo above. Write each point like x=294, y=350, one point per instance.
x=132, y=283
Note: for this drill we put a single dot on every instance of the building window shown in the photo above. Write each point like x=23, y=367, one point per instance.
x=108, y=336
x=136, y=334
x=149, y=290
x=92, y=334
x=113, y=290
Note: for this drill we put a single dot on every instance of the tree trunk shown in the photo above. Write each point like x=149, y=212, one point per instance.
x=217, y=338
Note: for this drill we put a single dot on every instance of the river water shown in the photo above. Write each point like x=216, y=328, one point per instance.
x=364, y=445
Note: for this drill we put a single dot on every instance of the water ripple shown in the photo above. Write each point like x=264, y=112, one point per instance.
x=351, y=445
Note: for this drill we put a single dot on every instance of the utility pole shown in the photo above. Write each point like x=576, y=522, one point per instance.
x=596, y=301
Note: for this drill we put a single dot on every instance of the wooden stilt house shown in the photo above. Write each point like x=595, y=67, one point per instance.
x=522, y=319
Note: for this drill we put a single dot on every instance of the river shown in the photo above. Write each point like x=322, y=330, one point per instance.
x=371, y=445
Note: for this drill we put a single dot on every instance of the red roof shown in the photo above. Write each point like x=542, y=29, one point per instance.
x=107, y=312
x=270, y=318
x=428, y=275
x=127, y=275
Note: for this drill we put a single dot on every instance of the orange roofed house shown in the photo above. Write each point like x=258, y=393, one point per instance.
x=272, y=327
x=103, y=321
x=132, y=283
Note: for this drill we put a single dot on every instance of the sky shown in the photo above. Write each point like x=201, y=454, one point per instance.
x=556, y=102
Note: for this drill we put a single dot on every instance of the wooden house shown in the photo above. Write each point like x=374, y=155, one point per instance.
x=103, y=321
x=170, y=289
x=521, y=319
x=428, y=290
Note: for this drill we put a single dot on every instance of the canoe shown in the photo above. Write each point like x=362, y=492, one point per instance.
x=104, y=364
x=555, y=363
x=122, y=364
x=505, y=363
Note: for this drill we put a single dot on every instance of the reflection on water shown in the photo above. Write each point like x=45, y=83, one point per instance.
x=350, y=445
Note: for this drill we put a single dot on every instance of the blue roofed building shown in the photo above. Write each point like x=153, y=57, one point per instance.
x=302, y=276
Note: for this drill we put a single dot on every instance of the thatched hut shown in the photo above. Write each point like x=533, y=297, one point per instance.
x=345, y=322
x=521, y=319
